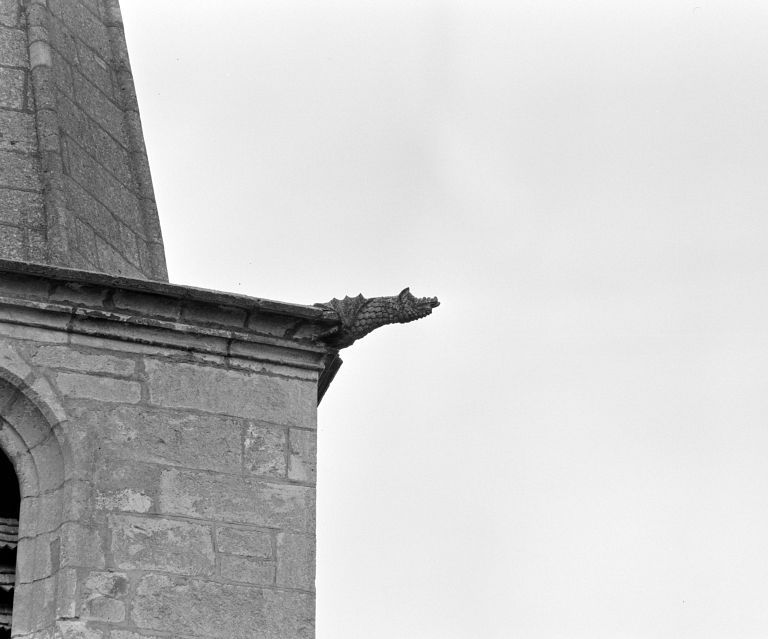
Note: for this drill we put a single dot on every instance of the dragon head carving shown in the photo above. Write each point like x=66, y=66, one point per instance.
x=359, y=316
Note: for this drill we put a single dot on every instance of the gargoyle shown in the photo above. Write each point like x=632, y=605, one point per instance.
x=359, y=316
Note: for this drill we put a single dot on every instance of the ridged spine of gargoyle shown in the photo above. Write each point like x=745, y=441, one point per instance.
x=358, y=316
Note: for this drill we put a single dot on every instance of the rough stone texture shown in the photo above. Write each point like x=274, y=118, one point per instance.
x=271, y=399
x=264, y=450
x=71, y=142
x=168, y=488
x=303, y=455
x=240, y=541
x=296, y=561
x=221, y=611
x=141, y=543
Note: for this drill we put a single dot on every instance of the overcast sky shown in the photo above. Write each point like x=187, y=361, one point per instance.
x=574, y=444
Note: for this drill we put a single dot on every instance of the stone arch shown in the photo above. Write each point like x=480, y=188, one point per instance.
x=31, y=437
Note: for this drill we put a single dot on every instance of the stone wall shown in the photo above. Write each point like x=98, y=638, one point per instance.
x=185, y=435
x=75, y=188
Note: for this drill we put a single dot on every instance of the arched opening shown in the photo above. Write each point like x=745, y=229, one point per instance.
x=31, y=505
x=10, y=501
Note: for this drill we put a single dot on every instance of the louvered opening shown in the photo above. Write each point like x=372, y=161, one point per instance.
x=9, y=535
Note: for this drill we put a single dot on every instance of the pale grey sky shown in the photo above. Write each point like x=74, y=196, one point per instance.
x=574, y=445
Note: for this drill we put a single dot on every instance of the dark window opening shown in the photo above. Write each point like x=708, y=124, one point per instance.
x=10, y=501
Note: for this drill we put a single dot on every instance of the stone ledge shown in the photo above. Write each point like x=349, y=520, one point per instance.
x=63, y=276
x=157, y=314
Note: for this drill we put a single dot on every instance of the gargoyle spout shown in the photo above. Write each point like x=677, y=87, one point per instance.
x=358, y=316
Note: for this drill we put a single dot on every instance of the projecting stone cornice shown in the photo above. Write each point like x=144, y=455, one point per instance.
x=240, y=331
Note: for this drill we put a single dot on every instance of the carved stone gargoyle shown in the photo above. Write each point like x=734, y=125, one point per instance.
x=359, y=316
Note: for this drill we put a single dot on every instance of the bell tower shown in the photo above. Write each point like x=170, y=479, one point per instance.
x=161, y=439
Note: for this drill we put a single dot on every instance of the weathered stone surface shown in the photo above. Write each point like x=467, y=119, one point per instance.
x=243, y=394
x=221, y=611
x=249, y=543
x=148, y=305
x=82, y=22
x=143, y=543
x=74, y=629
x=236, y=499
x=103, y=186
x=13, y=47
x=66, y=357
x=20, y=207
x=296, y=561
x=19, y=171
x=95, y=140
x=264, y=450
x=303, y=455
x=104, y=595
x=82, y=545
x=18, y=132
x=148, y=491
x=208, y=442
x=9, y=13
x=127, y=487
x=64, y=122
x=247, y=570
x=95, y=69
x=128, y=634
x=103, y=389
x=12, y=243
x=12, y=88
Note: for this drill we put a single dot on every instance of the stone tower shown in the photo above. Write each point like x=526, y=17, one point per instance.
x=163, y=437
x=75, y=188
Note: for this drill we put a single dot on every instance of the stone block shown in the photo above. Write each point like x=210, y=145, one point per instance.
x=205, y=442
x=91, y=211
x=13, y=47
x=104, y=187
x=66, y=594
x=303, y=455
x=213, y=314
x=75, y=629
x=103, y=596
x=18, y=132
x=80, y=294
x=113, y=261
x=102, y=389
x=12, y=243
x=247, y=570
x=22, y=287
x=62, y=40
x=241, y=394
x=95, y=69
x=99, y=107
x=83, y=23
x=12, y=88
x=296, y=561
x=82, y=546
x=153, y=305
x=9, y=13
x=94, y=139
x=18, y=171
x=20, y=207
x=142, y=543
x=241, y=541
x=185, y=606
x=37, y=245
x=61, y=74
x=235, y=499
x=126, y=486
x=66, y=357
x=264, y=450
